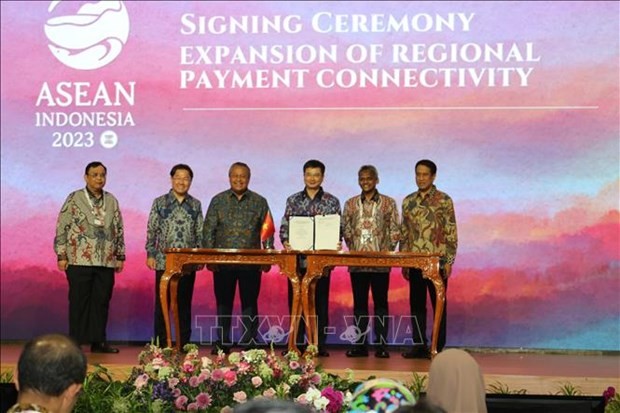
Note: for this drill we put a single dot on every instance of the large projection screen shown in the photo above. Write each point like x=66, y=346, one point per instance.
x=516, y=102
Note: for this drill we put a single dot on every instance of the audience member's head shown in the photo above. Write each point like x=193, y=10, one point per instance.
x=381, y=396
x=271, y=406
x=422, y=406
x=455, y=382
x=50, y=373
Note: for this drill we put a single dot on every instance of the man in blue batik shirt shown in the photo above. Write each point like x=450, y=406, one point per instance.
x=175, y=221
x=311, y=201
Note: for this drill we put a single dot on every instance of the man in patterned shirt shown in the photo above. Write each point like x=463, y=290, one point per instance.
x=311, y=201
x=429, y=225
x=90, y=247
x=370, y=224
x=234, y=220
x=175, y=221
x=49, y=375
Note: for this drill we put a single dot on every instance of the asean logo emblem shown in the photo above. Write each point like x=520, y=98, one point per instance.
x=92, y=37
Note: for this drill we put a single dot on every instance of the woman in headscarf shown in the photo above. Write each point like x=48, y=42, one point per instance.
x=455, y=383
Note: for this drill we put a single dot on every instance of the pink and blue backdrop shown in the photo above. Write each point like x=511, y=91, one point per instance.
x=533, y=169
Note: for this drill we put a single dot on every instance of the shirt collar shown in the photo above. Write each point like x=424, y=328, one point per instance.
x=232, y=194
x=171, y=198
x=375, y=197
x=92, y=195
x=430, y=193
x=318, y=195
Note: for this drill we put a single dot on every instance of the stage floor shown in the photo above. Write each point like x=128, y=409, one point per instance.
x=538, y=373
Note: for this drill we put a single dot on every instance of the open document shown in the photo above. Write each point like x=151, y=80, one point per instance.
x=321, y=232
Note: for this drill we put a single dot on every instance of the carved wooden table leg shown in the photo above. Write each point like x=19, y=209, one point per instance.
x=296, y=312
x=174, y=288
x=308, y=295
x=440, y=301
x=165, y=307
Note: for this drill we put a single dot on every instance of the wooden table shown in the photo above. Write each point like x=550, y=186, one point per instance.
x=304, y=288
x=317, y=261
x=176, y=258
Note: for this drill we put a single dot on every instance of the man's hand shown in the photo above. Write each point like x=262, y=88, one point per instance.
x=447, y=271
x=62, y=265
x=119, y=266
x=286, y=245
x=150, y=262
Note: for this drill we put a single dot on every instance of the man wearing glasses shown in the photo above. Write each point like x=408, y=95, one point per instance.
x=90, y=247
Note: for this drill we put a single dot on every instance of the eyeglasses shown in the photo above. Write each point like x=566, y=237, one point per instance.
x=182, y=179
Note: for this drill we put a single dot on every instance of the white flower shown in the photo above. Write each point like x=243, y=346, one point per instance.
x=321, y=403
x=206, y=362
x=313, y=393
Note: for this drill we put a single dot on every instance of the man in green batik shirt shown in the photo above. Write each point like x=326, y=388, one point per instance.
x=234, y=220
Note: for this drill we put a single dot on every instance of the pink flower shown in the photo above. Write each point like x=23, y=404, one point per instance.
x=192, y=406
x=257, y=381
x=188, y=367
x=172, y=382
x=217, y=375
x=180, y=402
x=203, y=400
x=176, y=392
x=141, y=381
x=609, y=394
x=243, y=366
x=230, y=377
x=194, y=381
x=315, y=378
x=270, y=393
x=204, y=375
x=294, y=364
x=226, y=409
x=240, y=397
x=335, y=398
x=302, y=399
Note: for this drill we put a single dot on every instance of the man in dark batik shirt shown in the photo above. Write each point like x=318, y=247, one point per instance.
x=311, y=201
x=234, y=220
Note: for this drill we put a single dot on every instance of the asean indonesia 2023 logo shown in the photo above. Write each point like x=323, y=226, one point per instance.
x=90, y=38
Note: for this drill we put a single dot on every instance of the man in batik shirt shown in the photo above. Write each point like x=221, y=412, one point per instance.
x=234, y=220
x=370, y=224
x=429, y=225
x=309, y=202
x=175, y=221
x=90, y=248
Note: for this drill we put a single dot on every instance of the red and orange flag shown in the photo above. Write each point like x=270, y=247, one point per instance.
x=268, y=228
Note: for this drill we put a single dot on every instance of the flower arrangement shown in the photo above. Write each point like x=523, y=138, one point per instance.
x=168, y=381
x=612, y=400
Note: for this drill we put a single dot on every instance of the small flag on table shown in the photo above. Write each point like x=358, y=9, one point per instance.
x=268, y=228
